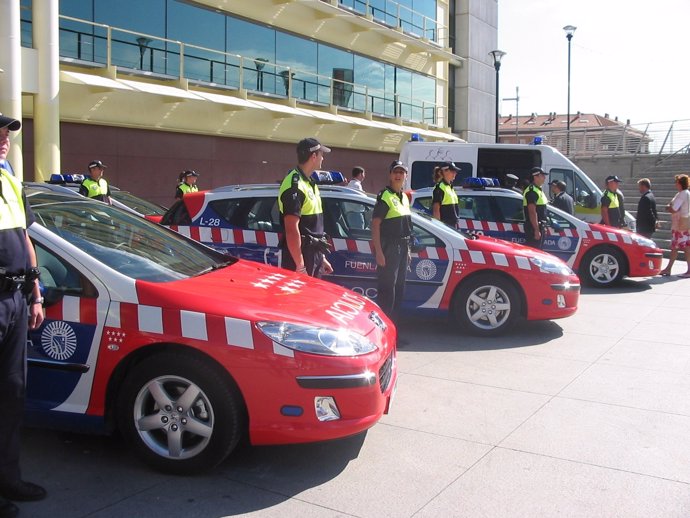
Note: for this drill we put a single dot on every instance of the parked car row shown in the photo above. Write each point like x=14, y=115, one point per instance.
x=185, y=349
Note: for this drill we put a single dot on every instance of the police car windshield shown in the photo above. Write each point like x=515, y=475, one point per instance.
x=123, y=241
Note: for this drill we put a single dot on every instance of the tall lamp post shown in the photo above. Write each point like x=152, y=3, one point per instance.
x=497, y=55
x=517, y=111
x=569, y=30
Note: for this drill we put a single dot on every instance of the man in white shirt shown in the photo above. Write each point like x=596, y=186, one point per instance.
x=358, y=176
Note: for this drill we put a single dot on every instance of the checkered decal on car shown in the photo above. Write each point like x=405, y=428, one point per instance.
x=218, y=236
x=491, y=226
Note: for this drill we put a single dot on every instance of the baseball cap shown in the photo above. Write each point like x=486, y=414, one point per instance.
x=9, y=123
x=189, y=172
x=97, y=163
x=450, y=165
x=397, y=164
x=613, y=178
x=537, y=171
x=311, y=145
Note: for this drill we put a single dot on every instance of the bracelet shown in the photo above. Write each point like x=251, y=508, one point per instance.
x=302, y=270
x=38, y=300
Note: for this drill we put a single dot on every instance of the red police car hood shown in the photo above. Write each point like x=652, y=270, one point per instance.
x=596, y=227
x=253, y=291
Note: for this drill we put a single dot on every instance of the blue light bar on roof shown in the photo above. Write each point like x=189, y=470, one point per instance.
x=66, y=178
x=328, y=177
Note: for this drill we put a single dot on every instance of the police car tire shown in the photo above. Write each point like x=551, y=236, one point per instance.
x=218, y=406
x=598, y=254
x=478, y=285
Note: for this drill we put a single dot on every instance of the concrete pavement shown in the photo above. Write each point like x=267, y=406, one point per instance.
x=583, y=417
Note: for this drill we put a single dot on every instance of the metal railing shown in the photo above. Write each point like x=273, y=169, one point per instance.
x=660, y=138
x=394, y=15
x=94, y=44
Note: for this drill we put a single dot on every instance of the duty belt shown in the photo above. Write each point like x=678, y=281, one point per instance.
x=11, y=283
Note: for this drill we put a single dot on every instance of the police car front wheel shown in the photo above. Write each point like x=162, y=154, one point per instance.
x=487, y=305
x=180, y=414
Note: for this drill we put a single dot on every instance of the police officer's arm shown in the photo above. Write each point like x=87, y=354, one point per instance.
x=532, y=214
x=35, y=309
x=376, y=241
x=605, y=202
x=294, y=240
x=436, y=203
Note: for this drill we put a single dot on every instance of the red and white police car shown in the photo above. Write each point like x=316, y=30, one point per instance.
x=185, y=350
x=483, y=284
x=600, y=255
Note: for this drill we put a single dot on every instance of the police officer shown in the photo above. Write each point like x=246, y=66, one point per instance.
x=18, y=281
x=301, y=213
x=611, y=203
x=534, y=203
x=188, y=184
x=391, y=231
x=95, y=186
x=444, y=205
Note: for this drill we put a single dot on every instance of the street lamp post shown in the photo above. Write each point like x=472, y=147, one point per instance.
x=497, y=55
x=517, y=112
x=569, y=30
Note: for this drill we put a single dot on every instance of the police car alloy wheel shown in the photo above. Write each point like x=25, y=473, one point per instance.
x=602, y=266
x=487, y=305
x=180, y=413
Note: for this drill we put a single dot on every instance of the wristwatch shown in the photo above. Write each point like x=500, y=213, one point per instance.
x=38, y=300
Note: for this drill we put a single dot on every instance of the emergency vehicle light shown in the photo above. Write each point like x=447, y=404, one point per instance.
x=328, y=177
x=539, y=139
x=473, y=182
x=66, y=178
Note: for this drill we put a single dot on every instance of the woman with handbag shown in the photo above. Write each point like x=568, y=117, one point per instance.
x=680, y=225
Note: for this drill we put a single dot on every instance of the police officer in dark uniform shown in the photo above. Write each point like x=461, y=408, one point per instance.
x=444, y=204
x=391, y=231
x=95, y=186
x=611, y=203
x=304, y=244
x=188, y=184
x=534, y=203
x=18, y=282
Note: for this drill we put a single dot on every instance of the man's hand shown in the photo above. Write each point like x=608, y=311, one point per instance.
x=35, y=316
x=327, y=267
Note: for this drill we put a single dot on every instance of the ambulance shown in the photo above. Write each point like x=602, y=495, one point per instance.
x=499, y=160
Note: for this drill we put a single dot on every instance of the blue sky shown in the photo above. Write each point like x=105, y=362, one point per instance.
x=629, y=58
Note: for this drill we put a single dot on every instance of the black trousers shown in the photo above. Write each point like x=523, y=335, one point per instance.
x=535, y=243
x=13, y=335
x=391, y=278
x=313, y=260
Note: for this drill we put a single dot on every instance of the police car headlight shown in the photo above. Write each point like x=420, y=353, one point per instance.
x=546, y=266
x=317, y=340
x=643, y=241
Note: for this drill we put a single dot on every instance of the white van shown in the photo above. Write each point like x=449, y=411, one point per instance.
x=498, y=160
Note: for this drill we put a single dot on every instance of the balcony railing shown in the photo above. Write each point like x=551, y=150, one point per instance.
x=92, y=44
x=395, y=15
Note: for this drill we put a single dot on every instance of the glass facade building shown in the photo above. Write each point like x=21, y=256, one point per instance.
x=173, y=38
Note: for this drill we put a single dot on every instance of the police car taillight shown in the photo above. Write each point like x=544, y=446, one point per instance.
x=66, y=178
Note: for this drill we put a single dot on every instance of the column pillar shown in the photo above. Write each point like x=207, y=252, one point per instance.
x=11, y=77
x=46, y=35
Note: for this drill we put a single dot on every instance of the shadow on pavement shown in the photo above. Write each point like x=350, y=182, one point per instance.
x=421, y=335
